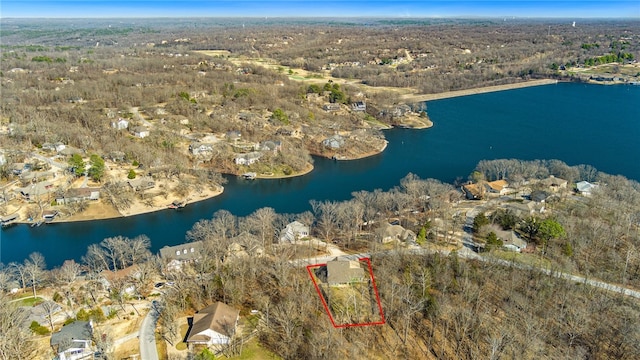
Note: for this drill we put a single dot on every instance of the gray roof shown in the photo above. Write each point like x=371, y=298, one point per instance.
x=77, y=330
x=182, y=252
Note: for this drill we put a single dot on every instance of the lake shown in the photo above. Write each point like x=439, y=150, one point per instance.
x=576, y=123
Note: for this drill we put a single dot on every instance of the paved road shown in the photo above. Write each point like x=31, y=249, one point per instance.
x=147, y=335
x=468, y=254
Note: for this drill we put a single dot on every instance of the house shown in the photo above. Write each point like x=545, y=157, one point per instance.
x=585, y=188
x=248, y=158
x=342, y=272
x=109, y=277
x=35, y=191
x=499, y=187
x=510, y=239
x=397, y=233
x=141, y=183
x=200, y=148
x=233, y=135
x=270, y=145
x=294, y=231
x=539, y=196
x=73, y=341
x=176, y=256
x=331, y=107
x=140, y=132
x=554, y=184
x=78, y=194
x=334, y=142
x=120, y=124
x=472, y=191
x=213, y=325
x=57, y=147
x=524, y=208
x=359, y=106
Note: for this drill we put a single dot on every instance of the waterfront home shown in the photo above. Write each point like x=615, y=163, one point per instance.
x=293, y=232
x=73, y=341
x=554, y=184
x=214, y=325
x=499, y=187
x=472, y=191
x=78, y=194
x=248, y=158
x=109, y=277
x=35, y=191
x=141, y=183
x=334, y=142
x=176, y=256
x=585, y=188
x=343, y=272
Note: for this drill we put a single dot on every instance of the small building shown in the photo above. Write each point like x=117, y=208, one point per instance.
x=334, y=142
x=73, y=341
x=176, y=256
x=293, y=232
x=342, y=272
x=120, y=124
x=233, y=135
x=331, y=107
x=397, y=233
x=472, y=191
x=140, y=132
x=248, y=158
x=200, y=148
x=78, y=194
x=359, y=106
x=270, y=145
x=585, y=188
x=141, y=184
x=213, y=325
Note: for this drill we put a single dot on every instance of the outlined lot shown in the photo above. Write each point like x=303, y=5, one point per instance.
x=348, y=292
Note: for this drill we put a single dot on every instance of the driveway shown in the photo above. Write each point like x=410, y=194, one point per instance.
x=147, y=334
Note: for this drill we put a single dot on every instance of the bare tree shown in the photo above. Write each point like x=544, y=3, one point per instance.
x=35, y=268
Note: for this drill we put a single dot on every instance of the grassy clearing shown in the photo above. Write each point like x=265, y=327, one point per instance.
x=30, y=301
x=254, y=351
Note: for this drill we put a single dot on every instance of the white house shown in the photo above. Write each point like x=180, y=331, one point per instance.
x=214, y=325
x=585, y=188
x=141, y=132
x=294, y=231
x=200, y=148
x=73, y=341
x=248, y=158
x=120, y=124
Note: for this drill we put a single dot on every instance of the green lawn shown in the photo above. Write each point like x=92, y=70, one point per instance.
x=254, y=351
x=31, y=301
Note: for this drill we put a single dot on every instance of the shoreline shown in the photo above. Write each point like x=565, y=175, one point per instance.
x=475, y=91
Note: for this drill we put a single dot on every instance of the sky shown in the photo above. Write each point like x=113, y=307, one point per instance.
x=314, y=8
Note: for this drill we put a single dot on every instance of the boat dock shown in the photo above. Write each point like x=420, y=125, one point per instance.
x=9, y=219
x=249, y=176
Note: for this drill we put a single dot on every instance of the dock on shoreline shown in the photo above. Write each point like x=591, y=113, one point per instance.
x=415, y=98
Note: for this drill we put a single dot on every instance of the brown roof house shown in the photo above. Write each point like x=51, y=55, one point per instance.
x=213, y=325
x=342, y=272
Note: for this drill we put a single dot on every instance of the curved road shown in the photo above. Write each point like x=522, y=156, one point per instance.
x=147, y=335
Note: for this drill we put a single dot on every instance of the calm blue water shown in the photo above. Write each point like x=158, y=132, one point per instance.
x=578, y=124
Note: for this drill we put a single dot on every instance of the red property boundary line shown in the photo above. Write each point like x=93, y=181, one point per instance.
x=326, y=306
